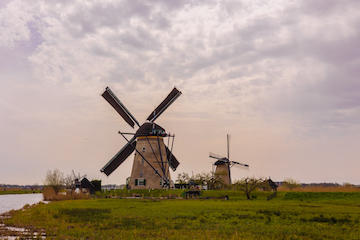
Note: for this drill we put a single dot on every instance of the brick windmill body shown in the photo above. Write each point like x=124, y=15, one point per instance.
x=152, y=158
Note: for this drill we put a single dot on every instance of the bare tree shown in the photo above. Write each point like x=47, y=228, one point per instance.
x=55, y=180
x=247, y=185
x=69, y=181
x=214, y=181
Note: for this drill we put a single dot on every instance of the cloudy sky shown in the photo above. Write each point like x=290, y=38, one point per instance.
x=282, y=77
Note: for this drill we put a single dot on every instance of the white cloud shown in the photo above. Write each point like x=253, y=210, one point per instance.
x=15, y=19
x=286, y=68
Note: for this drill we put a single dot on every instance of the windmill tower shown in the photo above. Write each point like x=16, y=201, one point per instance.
x=152, y=157
x=223, y=164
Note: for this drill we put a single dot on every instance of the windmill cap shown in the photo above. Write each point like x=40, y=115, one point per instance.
x=221, y=161
x=149, y=129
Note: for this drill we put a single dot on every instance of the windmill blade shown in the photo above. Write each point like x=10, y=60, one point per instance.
x=119, y=107
x=173, y=162
x=239, y=165
x=173, y=95
x=216, y=156
x=120, y=157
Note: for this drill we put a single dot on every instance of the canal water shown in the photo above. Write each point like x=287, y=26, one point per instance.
x=16, y=201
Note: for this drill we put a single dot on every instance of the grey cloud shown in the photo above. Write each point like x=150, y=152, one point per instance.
x=231, y=7
x=344, y=86
x=333, y=102
x=4, y=3
x=175, y=4
x=118, y=14
x=338, y=52
x=140, y=39
x=322, y=7
x=234, y=74
x=161, y=22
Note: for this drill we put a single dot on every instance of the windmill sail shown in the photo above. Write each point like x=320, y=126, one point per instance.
x=120, y=157
x=173, y=95
x=173, y=162
x=119, y=107
x=216, y=156
x=240, y=165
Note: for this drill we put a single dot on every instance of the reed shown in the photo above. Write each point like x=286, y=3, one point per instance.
x=320, y=189
x=50, y=195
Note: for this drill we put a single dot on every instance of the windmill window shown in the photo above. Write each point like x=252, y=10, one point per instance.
x=142, y=161
x=161, y=182
x=141, y=174
x=142, y=181
x=143, y=149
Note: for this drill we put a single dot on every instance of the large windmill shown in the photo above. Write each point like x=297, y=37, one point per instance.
x=223, y=164
x=152, y=157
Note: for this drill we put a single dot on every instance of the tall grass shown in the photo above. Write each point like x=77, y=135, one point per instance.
x=50, y=195
x=321, y=189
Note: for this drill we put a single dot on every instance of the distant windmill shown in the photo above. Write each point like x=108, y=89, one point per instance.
x=152, y=157
x=223, y=164
x=77, y=180
x=81, y=182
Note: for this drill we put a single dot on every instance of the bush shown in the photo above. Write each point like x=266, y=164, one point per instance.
x=291, y=183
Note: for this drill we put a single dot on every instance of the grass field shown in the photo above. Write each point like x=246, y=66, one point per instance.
x=292, y=215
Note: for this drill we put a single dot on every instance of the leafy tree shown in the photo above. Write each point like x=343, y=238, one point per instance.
x=97, y=185
x=212, y=180
x=55, y=180
x=200, y=179
x=291, y=183
x=247, y=185
x=183, y=178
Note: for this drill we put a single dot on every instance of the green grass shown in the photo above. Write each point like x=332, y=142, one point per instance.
x=234, y=195
x=4, y=192
x=289, y=216
x=325, y=197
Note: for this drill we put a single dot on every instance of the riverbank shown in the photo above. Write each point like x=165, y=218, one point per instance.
x=18, y=191
x=288, y=216
x=8, y=205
